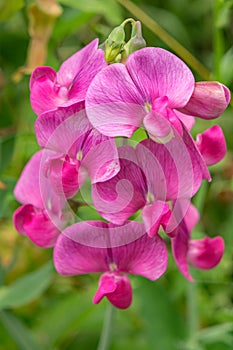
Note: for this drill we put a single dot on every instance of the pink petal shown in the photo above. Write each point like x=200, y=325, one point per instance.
x=208, y=101
x=113, y=104
x=180, y=247
x=206, y=253
x=157, y=73
x=88, y=247
x=101, y=161
x=85, y=75
x=158, y=127
x=43, y=96
x=212, y=145
x=192, y=217
x=187, y=120
x=35, y=224
x=121, y=196
x=179, y=170
x=152, y=215
x=59, y=129
x=72, y=66
x=27, y=189
x=65, y=175
x=116, y=288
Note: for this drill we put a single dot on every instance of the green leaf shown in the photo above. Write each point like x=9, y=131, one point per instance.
x=8, y=8
x=18, y=332
x=110, y=9
x=27, y=288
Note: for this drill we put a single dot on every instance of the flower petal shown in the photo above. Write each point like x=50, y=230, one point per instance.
x=42, y=95
x=158, y=73
x=121, y=196
x=116, y=288
x=35, y=224
x=113, y=104
x=212, y=145
x=94, y=246
x=208, y=101
x=71, y=67
x=158, y=127
x=152, y=215
x=205, y=253
x=27, y=189
x=59, y=129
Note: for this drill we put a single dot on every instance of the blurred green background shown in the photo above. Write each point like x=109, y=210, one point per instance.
x=40, y=309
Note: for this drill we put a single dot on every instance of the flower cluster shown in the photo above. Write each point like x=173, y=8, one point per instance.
x=141, y=182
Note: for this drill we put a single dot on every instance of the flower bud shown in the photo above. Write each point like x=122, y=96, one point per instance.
x=136, y=42
x=114, y=44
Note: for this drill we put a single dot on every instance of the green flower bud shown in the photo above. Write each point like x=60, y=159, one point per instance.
x=114, y=45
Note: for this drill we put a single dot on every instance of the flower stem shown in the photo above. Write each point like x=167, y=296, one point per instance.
x=106, y=330
x=218, y=42
x=192, y=288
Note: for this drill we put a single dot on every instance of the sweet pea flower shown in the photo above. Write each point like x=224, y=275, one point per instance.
x=74, y=150
x=50, y=90
x=203, y=253
x=154, y=89
x=40, y=217
x=150, y=176
x=95, y=246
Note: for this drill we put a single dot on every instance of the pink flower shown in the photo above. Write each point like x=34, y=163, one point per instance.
x=151, y=175
x=40, y=217
x=49, y=89
x=74, y=150
x=203, y=253
x=151, y=89
x=91, y=247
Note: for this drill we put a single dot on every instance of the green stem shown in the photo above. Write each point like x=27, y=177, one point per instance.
x=106, y=330
x=218, y=40
x=192, y=314
x=192, y=288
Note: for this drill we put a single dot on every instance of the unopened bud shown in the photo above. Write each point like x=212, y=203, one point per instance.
x=114, y=44
x=136, y=42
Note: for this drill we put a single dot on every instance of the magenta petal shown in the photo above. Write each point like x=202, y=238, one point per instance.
x=59, y=129
x=186, y=119
x=116, y=288
x=121, y=196
x=152, y=215
x=145, y=256
x=35, y=224
x=158, y=127
x=158, y=73
x=180, y=247
x=208, y=101
x=113, y=104
x=85, y=75
x=94, y=246
x=101, y=158
x=69, y=69
x=42, y=73
x=206, y=253
x=212, y=145
x=65, y=175
x=43, y=96
x=27, y=189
